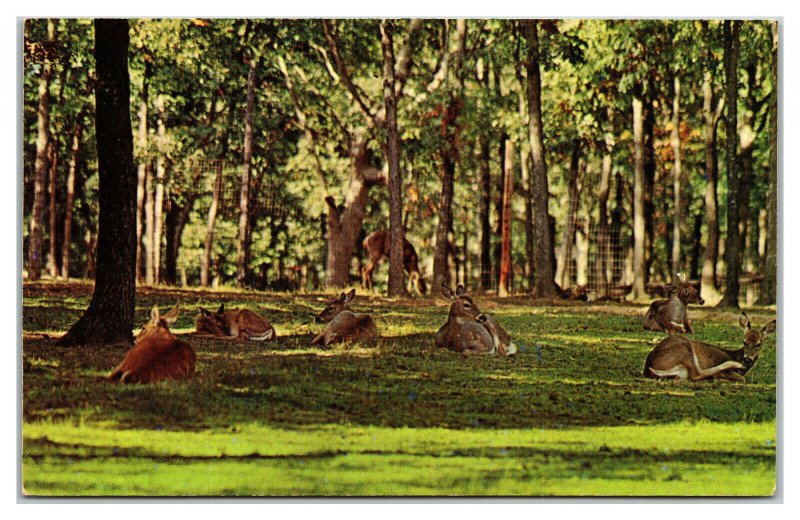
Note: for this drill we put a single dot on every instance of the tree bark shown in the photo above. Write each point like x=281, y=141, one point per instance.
x=77, y=137
x=141, y=142
x=568, y=238
x=638, y=291
x=109, y=317
x=175, y=221
x=504, y=285
x=52, y=267
x=676, y=181
x=484, y=210
x=545, y=286
x=149, y=224
x=769, y=287
x=732, y=241
x=603, y=271
x=243, y=248
x=396, y=231
x=35, y=240
x=711, y=117
x=161, y=174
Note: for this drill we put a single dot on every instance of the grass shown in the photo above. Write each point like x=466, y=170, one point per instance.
x=569, y=415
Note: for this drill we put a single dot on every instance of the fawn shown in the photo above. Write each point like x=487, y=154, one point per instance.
x=470, y=331
x=377, y=246
x=670, y=315
x=157, y=355
x=682, y=358
x=236, y=324
x=344, y=324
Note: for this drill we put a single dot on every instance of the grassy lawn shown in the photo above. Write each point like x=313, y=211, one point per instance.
x=569, y=415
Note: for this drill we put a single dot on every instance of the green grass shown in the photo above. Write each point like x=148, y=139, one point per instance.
x=570, y=415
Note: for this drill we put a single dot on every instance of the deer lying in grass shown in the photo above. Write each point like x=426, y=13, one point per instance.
x=470, y=331
x=344, y=324
x=682, y=358
x=236, y=324
x=157, y=355
x=377, y=247
x=670, y=315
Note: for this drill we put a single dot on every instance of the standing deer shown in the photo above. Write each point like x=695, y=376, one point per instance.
x=682, y=358
x=344, y=324
x=157, y=355
x=670, y=315
x=236, y=324
x=377, y=246
x=470, y=331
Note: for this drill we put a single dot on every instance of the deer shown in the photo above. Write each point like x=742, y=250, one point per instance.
x=377, y=245
x=343, y=323
x=670, y=315
x=239, y=324
x=677, y=357
x=157, y=354
x=470, y=331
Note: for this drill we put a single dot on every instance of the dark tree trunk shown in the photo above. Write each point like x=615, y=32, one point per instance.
x=638, y=291
x=35, y=241
x=732, y=242
x=109, y=318
x=175, y=221
x=769, y=288
x=158, y=209
x=568, y=238
x=448, y=152
x=545, y=286
x=616, y=228
x=484, y=211
x=396, y=232
x=498, y=206
x=77, y=136
x=504, y=285
x=243, y=247
x=694, y=266
x=649, y=184
x=711, y=116
x=52, y=267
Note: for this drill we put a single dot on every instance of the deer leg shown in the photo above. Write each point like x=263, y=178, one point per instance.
x=687, y=326
x=696, y=373
x=731, y=376
x=318, y=339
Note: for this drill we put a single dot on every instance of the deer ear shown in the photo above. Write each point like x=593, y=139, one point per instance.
x=460, y=290
x=744, y=321
x=447, y=292
x=172, y=315
x=221, y=308
x=769, y=328
x=204, y=312
x=349, y=296
x=154, y=314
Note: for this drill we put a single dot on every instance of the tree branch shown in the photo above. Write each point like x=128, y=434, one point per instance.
x=404, y=62
x=330, y=37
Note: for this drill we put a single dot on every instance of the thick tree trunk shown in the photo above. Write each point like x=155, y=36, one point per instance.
x=732, y=241
x=175, y=221
x=638, y=291
x=504, y=285
x=568, y=239
x=711, y=116
x=676, y=182
x=396, y=232
x=35, y=240
x=142, y=173
x=243, y=247
x=769, y=287
x=109, y=318
x=205, y=262
x=161, y=175
x=484, y=210
x=77, y=136
x=545, y=286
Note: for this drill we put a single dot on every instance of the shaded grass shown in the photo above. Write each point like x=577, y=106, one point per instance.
x=578, y=370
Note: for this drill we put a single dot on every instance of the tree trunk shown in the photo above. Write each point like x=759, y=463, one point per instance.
x=676, y=181
x=77, y=136
x=602, y=267
x=649, y=185
x=527, y=189
x=35, y=240
x=617, y=271
x=141, y=142
x=694, y=266
x=205, y=262
x=484, y=210
x=498, y=206
x=732, y=242
x=504, y=287
x=638, y=291
x=568, y=238
x=161, y=174
x=243, y=248
x=545, y=286
x=149, y=225
x=396, y=232
x=175, y=221
x=708, y=278
x=52, y=167
x=769, y=287
x=109, y=318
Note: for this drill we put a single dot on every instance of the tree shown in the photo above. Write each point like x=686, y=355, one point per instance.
x=769, y=288
x=638, y=291
x=109, y=317
x=730, y=298
x=243, y=247
x=504, y=284
x=545, y=286
x=675, y=140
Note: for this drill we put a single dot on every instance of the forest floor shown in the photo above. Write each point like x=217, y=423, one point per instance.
x=569, y=415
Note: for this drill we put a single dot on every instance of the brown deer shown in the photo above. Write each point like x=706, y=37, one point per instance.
x=682, y=358
x=157, y=355
x=344, y=324
x=377, y=246
x=670, y=315
x=239, y=324
x=470, y=331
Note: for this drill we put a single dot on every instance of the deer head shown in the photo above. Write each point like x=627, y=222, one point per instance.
x=686, y=293
x=753, y=339
x=462, y=305
x=335, y=306
x=212, y=323
x=158, y=324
